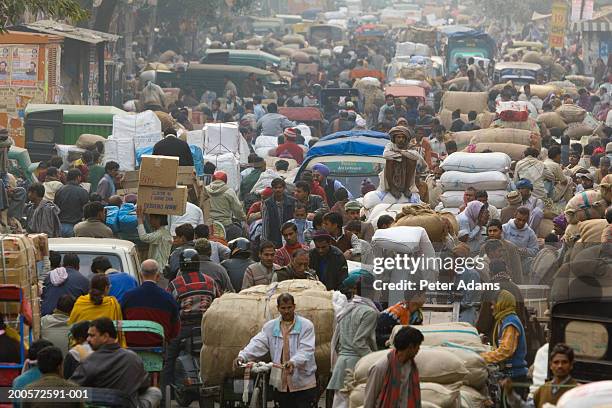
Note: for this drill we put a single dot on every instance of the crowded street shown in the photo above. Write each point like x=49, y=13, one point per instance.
x=311, y=204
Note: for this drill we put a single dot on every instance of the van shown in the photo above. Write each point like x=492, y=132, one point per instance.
x=121, y=254
x=251, y=58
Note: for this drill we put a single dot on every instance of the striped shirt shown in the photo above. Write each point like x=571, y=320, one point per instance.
x=194, y=292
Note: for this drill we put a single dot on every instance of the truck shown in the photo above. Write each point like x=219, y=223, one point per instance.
x=466, y=44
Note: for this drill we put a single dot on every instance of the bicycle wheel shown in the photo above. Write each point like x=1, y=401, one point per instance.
x=255, y=397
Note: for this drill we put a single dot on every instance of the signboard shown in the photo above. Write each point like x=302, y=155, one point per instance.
x=5, y=66
x=558, y=23
x=581, y=10
x=24, y=66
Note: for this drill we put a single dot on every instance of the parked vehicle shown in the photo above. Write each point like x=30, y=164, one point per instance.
x=465, y=42
x=121, y=254
x=251, y=58
x=520, y=73
x=47, y=125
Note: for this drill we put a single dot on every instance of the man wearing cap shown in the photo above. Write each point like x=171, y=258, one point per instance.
x=354, y=333
x=534, y=170
x=290, y=149
x=535, y=205
x=514, y=201
x=320, y=174
x=353, y=213
x=224, y=204
x=327, y=261
x=587, y=182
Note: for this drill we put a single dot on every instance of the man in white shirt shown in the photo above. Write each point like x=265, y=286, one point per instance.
x=193, y=215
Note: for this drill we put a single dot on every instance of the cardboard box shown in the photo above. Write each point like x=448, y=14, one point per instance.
x=185, y=175
x=158, y=171
x=130, y=179
x=160, y=200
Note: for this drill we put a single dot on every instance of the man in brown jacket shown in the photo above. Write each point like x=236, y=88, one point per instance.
x=93, y=226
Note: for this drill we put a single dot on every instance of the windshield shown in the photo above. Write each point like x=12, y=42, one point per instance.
x=85, y=259
x=352, y=173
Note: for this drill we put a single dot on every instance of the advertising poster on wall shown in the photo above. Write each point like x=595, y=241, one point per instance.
x=5, y=67
x=24, y=66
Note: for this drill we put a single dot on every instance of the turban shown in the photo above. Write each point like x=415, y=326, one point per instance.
x=354, y=277
x=524, y=183
x=321, y=169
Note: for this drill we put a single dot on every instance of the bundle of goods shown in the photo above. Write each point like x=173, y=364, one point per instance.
x=403, y=240
x=543, y=91
x=477, y=162
x=557, y=72
x=437, y=225
x=258, y=41
x=506, y=135
x=234, y=318
x=293, y=39
x=367, y=82
x=454, y=199
x=301, y=57
x=376, y=197
x=87, y=141
x=284, y=51
x=413, y=72
x=571, y=113
x=458, y=82
x=405, y=49
x=451, y=374
x=272, y=43
x=313, y=51
x=515, y=151
x=483, y=120
x=512, y=111
x=228, y=163
x=581, y=81
x=530, y=124
x=586, y=205
x=577, y=130
x=533, y=57
x=465, y=101
x=547, y=61
x=591, y=231
x=379, y=210
x=167, y=56
x=263, y=145
x=487, y=180
x=552, y=120
x=566, y=87
x=158, y=189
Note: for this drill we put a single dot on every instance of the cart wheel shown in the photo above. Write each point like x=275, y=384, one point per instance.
x=182, y=397
x=255, y=396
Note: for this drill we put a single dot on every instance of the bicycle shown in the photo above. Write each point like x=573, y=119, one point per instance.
x=259, y=396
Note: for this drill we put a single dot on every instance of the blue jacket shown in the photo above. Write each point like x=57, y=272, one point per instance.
x=120, y=283
x=522, y=238
x=517, y=365
x=75, y=285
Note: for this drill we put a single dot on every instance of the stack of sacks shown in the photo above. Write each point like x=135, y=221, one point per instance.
x=575, y=117
x=234, y=318
x=483, y=171
x=377, y=197
x=373, y=214
x=465, y=102
x=451, y=374
x=543, y=91
x=552, y=120
x=511, y=141
x=566, y=87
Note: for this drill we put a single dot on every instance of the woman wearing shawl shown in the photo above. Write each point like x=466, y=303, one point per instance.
x=97, y=304
x=393, y=382
x=475, y=216
x=354, y=333
x=510, y=346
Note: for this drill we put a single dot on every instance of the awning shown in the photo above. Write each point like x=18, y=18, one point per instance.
x=537, y=16
x=402, y=91
x=72, y=32
x=592, y=26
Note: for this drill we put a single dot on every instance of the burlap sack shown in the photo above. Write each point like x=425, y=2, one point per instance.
x=465, y=101
x=591, y=230
x=314, y=51
x=88, y=141
x=284, y=51
x=542, y=91
x=167, y=56
x=545, y=228
x=502, y=135
x=530, y=124
x=552, y=120
x=475, y=365
x=471, y=398
x=581, y=81
x=411, y=72
x=227, y=327
x=605, y=188
x=301, y=57
x=547, y=60
x=452, y=220
x=485, y=119
x=440, y=365
x=436, y=226
x=515, y=151
x=357, y=396
x=533, y=57
x=586, y=205
x=461, y=138
x=458, y=82
x=577, y=130
x=571, y=113
x=557, y=71
x=440, y=395
x=293, y=39
x=363, y=365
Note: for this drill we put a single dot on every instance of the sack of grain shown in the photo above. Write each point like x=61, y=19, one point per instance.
x=383, y=209
x=412, y=72
x=452, y=221
x=476, y=162
x=585, y=205
x=454, y=199
x=485, y=119
x=578, y=129
x=460, y=83
x=440, y=334
x=533, y=57
x=88, y=141
x=502, y=135
x=284, y=51
x=401, y=239
x=547, y=60
x=227, y=327
x=314, y=51
x=552, y=120
x=440, y=395
x=357, y=396
x=300, y=57
x=471, y=398
x=557, y=71
x=293, y=39
x=439, y=365
x=581, y=81
x=488, y=180
x=530, y=124
x=542, y=91
x=475, y=365
x=545, y=228
x=363, y=365
x=422, y=216
x=373, y=198
x=166, y=56
x=255, y=41
x=571, y=113
x=461, y=138
x=465, y=101
x=591, y=230
x=515, y=151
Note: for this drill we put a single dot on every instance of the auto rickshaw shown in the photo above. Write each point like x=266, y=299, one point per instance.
x=310, y=116
x=581, y=311
x=520, y=73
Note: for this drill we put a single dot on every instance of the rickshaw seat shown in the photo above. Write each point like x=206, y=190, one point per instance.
x=152, y=357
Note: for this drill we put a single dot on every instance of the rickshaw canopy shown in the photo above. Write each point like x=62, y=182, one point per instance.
x=305, y=114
